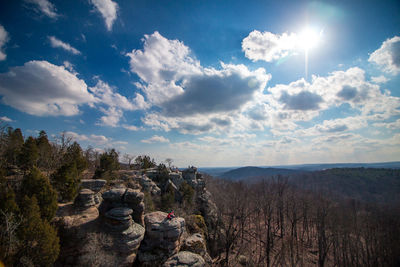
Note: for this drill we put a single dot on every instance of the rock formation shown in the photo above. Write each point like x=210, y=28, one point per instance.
x=85, y=199
x=93, y=184
x=196, y=244
x=124, y=197
x=185, y=259
x=162, y=239
x=149, y=186
x=126, y=234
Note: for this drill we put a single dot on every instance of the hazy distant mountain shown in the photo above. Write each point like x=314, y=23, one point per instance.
x=249, y=172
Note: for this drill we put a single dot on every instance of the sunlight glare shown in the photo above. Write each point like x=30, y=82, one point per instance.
x=309, y=38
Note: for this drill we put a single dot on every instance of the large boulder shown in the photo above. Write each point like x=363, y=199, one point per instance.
x=185, y=259
x=163, y=238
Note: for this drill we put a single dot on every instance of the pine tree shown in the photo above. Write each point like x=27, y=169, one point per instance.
x=15, y=141
x=29, y=154
x=7, y=196
x=66, y=181
x=40, y=243
x=35, y=183
x=44, y=150
x=75, y=155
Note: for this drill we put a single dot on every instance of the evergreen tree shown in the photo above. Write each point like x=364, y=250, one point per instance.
x=29, y=154
x=75, y=155
x=40, y=243
x=15, y=141
x=35, y=183
x=168, y=199
x=187, y=193
x=44, y=150
x=66, y=181
x=108, y=164
x=7, y=196
x=144, y=162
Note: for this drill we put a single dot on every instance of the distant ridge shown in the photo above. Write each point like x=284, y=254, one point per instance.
x=250, y=171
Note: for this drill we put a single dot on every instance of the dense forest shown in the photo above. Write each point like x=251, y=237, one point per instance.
x=337, y=217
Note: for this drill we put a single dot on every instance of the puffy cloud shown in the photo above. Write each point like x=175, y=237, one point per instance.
x=130, y=127
x=379, y=79
x=43, y=89
x=96, y=139
x=390, y=125
x=45, y=7
x=221, y=91
x=191, y=98
x=111, y=118
x=388, y=55
x=155, y=139
x=54, y=42
x=268, y=46
x=117, y=103
x=301, y=100
x=3, y=40
x=108, y=10
x=6, y=119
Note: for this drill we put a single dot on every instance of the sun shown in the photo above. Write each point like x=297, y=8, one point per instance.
x=309, y=38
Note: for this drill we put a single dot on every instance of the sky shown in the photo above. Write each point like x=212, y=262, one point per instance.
x=207, y=83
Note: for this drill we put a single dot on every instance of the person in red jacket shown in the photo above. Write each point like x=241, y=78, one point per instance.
x=171, y=215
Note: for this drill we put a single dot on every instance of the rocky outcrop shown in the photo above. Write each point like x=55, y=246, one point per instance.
x=126, y=234
x=85, y=199
x=120, y=197
x=162, y=239
x=93, y=184
x=207, y=208
x=196, y=244
x=149, y=186
x=185, y=259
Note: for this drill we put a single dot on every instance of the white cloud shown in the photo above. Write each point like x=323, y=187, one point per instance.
x=98, y=140
x=111, y=118
x=45, y=7
x=192, y=99
x=132, y=128
x=390, y=125
x=108, y=10
x=56, y=43
x=268, y=46
x=43, y=89
x=3, y=40
x=155, y=139
x=379, y=79
x=107, y=95
x=6, y=119
x=388, y=55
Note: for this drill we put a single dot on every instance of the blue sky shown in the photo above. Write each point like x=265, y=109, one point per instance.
x=207, y=83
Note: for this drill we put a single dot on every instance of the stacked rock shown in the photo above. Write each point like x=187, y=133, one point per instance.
x=85, y=199
x=123, y=197
x=119, y=219
x=127, y=234
x=185, y=258
x=149, y=185
x=93, y=184
x=162, y=239
x=134, y=199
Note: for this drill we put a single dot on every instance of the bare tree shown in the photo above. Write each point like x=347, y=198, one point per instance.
x=128, y=159
x=169, y=162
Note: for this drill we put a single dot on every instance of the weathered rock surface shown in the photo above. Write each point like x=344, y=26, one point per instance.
x=85, y=199
x=162, y=239
x=149, y=186
x=185, y=259
x=196, y=244
x=124, y=197
x=119, y=219
x=93, y=184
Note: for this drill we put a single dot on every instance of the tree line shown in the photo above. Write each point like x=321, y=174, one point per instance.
x=273, y=223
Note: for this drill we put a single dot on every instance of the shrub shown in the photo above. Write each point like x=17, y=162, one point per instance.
x=66, y=181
